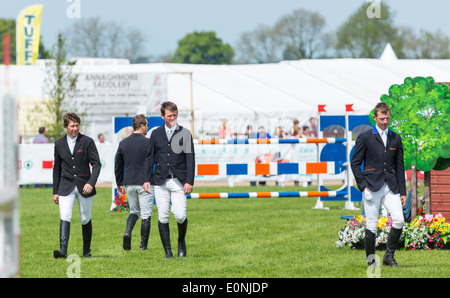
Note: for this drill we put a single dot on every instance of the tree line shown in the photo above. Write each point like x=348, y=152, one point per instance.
x=301, y=34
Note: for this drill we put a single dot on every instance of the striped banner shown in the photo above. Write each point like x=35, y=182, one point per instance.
x=273, y=168
x=272, y=141
x=230, y=195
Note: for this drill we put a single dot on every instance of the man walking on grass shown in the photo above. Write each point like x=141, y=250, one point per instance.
x=382, y=181
x=129, y=172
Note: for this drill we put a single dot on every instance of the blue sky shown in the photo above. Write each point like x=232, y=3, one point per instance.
x=166, y=21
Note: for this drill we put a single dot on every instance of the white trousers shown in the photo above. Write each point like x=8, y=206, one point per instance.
x=170, y=191
x=66, y=204
x=372, y=204
x=141, y=202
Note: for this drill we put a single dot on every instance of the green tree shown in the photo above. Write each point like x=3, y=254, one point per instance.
x=420, y=112
x=59, y=87
x=364, y=37
x=203, y=48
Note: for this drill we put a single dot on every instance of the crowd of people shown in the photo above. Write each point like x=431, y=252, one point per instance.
x=306, y=131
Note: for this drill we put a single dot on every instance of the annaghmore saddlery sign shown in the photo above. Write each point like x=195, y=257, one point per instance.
x=118, y=94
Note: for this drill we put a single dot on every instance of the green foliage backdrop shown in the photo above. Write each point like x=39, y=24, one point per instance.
x=420, y=110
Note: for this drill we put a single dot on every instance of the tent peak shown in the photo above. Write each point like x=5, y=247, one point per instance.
x=388, y=53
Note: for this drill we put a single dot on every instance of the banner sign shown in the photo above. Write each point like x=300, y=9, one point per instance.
x=118, y=94
x=28, y=28
x=35, y=162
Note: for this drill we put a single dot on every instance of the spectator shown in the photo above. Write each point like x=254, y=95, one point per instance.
x=249, y=134
x=262, y=134
x=225, y=132
x=306, y=132
x=279, y=133
x=295, y=131
x=313, y=127
x=101, y=139
x=41, y=138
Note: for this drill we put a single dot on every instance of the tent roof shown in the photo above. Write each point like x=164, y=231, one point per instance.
x=290, y=89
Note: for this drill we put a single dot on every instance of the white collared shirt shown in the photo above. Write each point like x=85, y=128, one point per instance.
x=71, y=143
x=383, y=134
x=170, y=131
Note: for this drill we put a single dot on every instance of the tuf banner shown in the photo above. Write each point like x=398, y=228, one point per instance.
x=27, y=34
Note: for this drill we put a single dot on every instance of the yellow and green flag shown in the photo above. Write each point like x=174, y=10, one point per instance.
x=27, y=34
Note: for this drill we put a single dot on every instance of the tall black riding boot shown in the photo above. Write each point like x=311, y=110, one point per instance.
x=87, y=236
x=393, y=238
x=164, y=233
x=181, y=238
x=370, y=248
x=131, y=221
x=64, y=232
x=145, y=232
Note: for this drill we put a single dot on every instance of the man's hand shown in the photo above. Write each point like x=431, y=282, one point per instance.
x=403, y=198
x=87, y=189
x=147, y=187
x=187, y=188
x=56, y=199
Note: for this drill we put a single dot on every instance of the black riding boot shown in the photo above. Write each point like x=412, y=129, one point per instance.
x=370, y=248
x=64, y=232
x=181, y=238
x=87, y=236
x=393, y=238
x=145, y=232
x=131, y=221
x=164, y=233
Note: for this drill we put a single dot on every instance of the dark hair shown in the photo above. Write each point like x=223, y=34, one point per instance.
x=382, y=107
x=168, y=105
x=138, y=120
x=41, y=129
x=71, y=117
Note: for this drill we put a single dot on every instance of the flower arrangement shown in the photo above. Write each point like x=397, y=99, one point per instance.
x=121, y=203
x=420, y=206
x=354, y=232
x=425, y=232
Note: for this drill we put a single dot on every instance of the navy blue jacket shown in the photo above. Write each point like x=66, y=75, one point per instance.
x=177, y=155
x=129, y=161
x=381, y=164
x=70, y=170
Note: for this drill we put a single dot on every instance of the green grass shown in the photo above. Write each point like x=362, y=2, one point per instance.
x=226, y=238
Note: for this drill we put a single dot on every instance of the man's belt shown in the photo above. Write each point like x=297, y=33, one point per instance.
x=171, y=177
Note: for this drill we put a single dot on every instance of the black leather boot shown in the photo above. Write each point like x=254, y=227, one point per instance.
x=370, y=248
x=64, y=232
x=131, y=221
x=164, y=233
x=87, y=236
x=145, y=232
x=181, y=238
x=393, y=238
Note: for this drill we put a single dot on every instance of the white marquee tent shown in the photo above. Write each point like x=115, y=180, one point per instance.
x=264, y=94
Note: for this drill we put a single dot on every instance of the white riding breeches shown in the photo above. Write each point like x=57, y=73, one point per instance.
x=170, y=191
x=372, y=204
x=66, y=204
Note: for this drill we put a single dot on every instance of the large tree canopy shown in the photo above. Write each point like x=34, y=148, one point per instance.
x=420, y=112
x=203, y=48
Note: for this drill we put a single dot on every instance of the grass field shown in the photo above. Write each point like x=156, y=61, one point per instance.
x=226, y=238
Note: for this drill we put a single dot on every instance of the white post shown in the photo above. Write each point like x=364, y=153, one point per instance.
x=348, y=204
x=9, y=211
